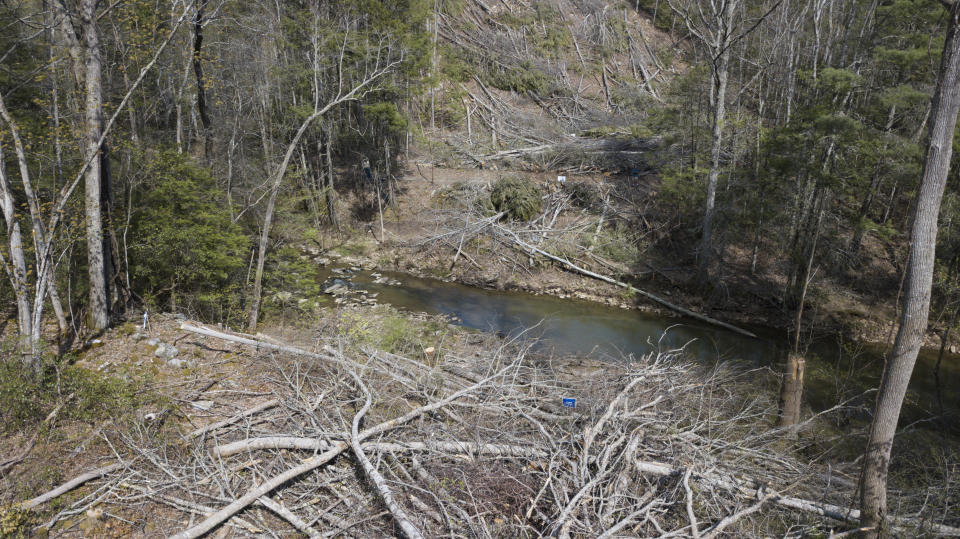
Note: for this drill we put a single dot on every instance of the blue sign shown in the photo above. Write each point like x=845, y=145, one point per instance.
x=569, y=403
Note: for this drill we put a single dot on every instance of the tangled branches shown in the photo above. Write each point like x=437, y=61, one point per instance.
x=374, y=444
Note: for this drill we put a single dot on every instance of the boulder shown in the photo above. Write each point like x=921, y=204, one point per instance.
x=166, y=351
x=180, y=363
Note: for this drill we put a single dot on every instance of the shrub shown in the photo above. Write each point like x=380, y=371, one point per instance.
x=521, y=200
x=16, y=522
x=290, y=282
x=27, y=398
x=523, y=78
x=184, y=247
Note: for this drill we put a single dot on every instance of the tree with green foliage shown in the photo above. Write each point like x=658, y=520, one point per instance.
x=185, y=250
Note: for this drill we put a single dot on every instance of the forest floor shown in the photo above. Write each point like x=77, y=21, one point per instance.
x=170, y=438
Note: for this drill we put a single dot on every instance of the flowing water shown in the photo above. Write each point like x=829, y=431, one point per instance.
x=566, y=327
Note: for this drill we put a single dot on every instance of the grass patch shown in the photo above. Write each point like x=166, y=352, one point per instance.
x=358, y=248
x=393, y=332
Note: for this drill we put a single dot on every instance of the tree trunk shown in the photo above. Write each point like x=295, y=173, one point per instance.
x=40, y=240
x=16, y=270
x=98, y=315
x=864, y=212
x=329, y=189
x=268, y=220
x=944, y=340
x=117, y=294
x=198, y=72
x=791, y=392
x=719, y=93
x=919, y=279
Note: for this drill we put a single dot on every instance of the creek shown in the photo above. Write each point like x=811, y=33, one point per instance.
x=836, y=369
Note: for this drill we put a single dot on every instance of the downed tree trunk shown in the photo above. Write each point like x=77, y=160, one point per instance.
x=648, y=295
x=260, y=344
x=751, y=489
x=313, y=444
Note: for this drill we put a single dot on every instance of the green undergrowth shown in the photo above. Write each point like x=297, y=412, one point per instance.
x=17, y=523
x=386, y=329
x=26, y=398
x=521, y=200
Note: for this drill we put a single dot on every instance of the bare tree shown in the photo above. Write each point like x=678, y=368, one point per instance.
x=83, y=40
x=33, y=286
x=379, y=67
x=917, y=284
x=717, y=30
x=16, y=267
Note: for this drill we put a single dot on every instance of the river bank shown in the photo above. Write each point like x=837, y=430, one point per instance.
x=746, y=298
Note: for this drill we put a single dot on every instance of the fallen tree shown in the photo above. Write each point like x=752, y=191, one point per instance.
x=480, y=445
x=570, y=265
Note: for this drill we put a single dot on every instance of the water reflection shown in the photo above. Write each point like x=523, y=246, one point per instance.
x=567, y=326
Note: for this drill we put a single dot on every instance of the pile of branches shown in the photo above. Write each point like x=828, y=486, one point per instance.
x=370, y=444
x=466, y=228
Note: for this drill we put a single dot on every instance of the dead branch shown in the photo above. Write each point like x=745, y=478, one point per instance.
x=745, y=488
x=231, y=420
x=287, y=515
x=479, y=446
x=70, y=485
x=399, y=515
x=315, y=462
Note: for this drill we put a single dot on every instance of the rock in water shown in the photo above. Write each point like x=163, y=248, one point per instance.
x=334, y=288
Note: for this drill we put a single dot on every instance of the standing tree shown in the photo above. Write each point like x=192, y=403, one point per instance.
x=80, y=29
x=381, y=61
x=917, y=284
x=717, y=29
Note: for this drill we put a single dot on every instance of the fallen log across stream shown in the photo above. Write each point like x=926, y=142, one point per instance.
x=530, y=249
